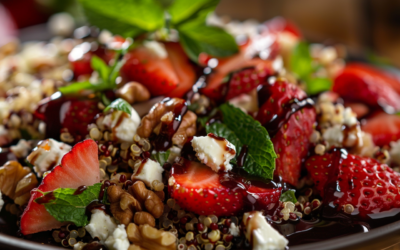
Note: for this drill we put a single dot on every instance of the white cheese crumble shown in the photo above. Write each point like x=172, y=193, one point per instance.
x=262, y=234
x=334, y=136
x=157, y=48
x=123, y=125
x=213, y=152
x=118, y=240
x=21, y=150
x=1, y=201
x=79, y=245
x=47, y=155
x=234, y=230
x=101, y=225
x=395, y=151
x=148, y=172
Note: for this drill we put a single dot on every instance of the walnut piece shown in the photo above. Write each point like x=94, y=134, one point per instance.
x=16, y=182
x=133, y=92
x=118, y=199
x=143, y=218
x=186, y=129
x=148, y=198
x=145, y=237
x=160, y=114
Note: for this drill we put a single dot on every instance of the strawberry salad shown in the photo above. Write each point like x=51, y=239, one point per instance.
x=190, y=131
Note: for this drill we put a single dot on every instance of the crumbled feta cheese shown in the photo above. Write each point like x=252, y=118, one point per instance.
x=215, y=152
x=61, y=24
x=395, y=152
x=333, y=136
x=101, y=225
x=79, y=245
x=118, y=240
x=123, y=125
x=1, y=201
x=157, y=48
x=262, y=234
x=234, y=230
x=148, y=172
x=349, y=117
x=21, y=150
x=47, y=155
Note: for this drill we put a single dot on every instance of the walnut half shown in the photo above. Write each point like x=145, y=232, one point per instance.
x=17, y=182
x=145, y=237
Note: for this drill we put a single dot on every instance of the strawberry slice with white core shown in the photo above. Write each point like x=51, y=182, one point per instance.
x=78, y=167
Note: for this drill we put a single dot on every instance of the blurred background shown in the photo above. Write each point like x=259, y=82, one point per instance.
x=366, y=27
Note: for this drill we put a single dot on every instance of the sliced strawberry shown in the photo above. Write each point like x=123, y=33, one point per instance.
x=253, y=73
x=198, y=189
x=366, y=84
x=290, y=131
x=67, y=112
x=78, y=167
x=367, y=185
x=154, y=71
x=183, y=68
x=81, y=55
x=383, y=127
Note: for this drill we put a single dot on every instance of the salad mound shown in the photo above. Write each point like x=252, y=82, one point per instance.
x=171, y=128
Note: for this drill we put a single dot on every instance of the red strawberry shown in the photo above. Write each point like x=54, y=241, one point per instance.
x=81, y=55
x=78, y=167
x=253, y=74
x=290, y=136
x=363, y=83
x=183, y=68
x=154, y=72
x=369, y=186
x=68, y=112
x=198, y=189
x=383, y=127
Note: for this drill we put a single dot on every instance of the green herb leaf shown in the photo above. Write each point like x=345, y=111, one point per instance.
x=119, y=104
x=260, y=160
x=196, y=37
x=317, y=85
x=288, y=196
x=301, y=61
x=160, y=157
x=181, y=10
x=69, y=207
x=101, y=67
x=78, y=87
x=144, y=14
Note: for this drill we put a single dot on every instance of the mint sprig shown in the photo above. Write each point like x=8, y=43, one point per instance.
x=131, y=18
x=121, y=105
x=160, y=157
x=67, y=207
x=301, y=63
x=241, y=129
x=288, y=196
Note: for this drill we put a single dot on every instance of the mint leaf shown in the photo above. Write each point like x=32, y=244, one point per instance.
x=301, y=61
x=69, y=207
x=143, y=14
x=196, y=37
x=241, y=129
x=119, y=104
x=101, y=67
x=78, y=87
x=160, y=157
x=181, y=10
x=111, y=24
x=288, y=196
x=317, y=85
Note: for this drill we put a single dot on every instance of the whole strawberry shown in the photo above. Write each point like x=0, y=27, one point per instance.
x=353, y=184
x=289, y=124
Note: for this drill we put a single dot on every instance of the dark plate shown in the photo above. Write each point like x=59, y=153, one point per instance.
x=379, y=238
